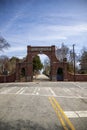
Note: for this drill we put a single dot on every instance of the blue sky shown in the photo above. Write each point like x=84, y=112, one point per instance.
x=41, y=23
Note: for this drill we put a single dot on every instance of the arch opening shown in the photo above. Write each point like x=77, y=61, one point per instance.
x=60, y=76
x=42, y=74
x=23, y=75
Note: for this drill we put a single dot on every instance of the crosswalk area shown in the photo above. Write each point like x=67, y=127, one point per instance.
x=63, y=94
x=28, y=91
x=44, y=91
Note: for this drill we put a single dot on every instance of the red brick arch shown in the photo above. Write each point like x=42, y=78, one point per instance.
x=28, y=64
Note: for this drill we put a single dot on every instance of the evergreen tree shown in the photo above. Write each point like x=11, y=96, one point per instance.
x=83, y=61
x=37, y=65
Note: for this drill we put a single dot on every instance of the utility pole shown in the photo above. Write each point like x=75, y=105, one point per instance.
x=74, y=62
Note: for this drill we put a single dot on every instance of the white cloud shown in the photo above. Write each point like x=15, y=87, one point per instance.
x=66, y=30
x=16, y=49
x=47, y=33
x=46, y=38
x=54, y=32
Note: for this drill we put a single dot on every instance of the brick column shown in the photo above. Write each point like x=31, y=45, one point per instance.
x=65, y=72
x=29, y=64
x=54, y=63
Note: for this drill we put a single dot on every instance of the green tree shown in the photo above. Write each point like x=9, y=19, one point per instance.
x=83, y=61
x=37, y=65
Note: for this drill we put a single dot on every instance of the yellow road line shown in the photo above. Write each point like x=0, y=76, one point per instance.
x=58, y=114
x=57, y=108
x=64, y=115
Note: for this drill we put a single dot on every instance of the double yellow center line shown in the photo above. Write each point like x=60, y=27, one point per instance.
x=67, y=125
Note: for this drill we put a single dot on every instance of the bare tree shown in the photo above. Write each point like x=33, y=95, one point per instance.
x=62, y=52
x=3, y=44
x=46, y=66
x=3, y=63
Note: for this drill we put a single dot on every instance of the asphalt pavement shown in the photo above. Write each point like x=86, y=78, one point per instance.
x=43, y=106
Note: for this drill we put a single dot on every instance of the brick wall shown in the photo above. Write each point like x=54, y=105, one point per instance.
x=78, y=77
x=9, y=78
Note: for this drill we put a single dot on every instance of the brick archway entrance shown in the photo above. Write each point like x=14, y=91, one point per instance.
x=32, y=51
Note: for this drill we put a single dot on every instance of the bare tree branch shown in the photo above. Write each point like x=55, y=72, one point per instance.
x=3, y=44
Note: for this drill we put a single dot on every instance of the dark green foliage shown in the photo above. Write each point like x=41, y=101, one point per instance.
x=83, y=62
x=37, y=65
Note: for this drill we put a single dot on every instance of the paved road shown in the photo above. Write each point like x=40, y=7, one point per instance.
x=40, y=78
x=43, y=106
